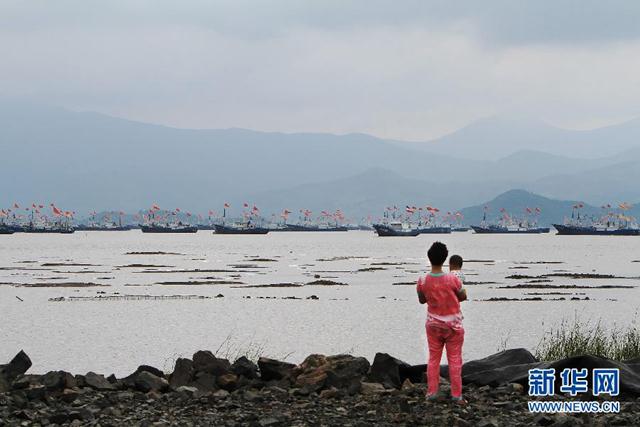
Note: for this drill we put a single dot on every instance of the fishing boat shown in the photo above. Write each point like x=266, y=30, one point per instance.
x=434, y=229
x=313, y=227
x=107, y=224
x=6, y=230
x=53, y=228
x=168, y=228
x=243, y=228
x=396, y=229
x=102, y=227
x=508, y=224
x=160, y=221
x=596, y=230
x=509, y=229
x=610, y=223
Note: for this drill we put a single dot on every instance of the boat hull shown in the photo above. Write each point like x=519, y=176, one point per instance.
x=39, y=230
x=435, y=230
x=460, y=229
x=90, y=228
x=315, y=228
x=223, y=229
x=6, y=230
x=159, y=229
x=386, y=231
x=569, y=230
x=503, y=230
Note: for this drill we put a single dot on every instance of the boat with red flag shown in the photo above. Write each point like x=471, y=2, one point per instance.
x=165, y=221
x=508, y=224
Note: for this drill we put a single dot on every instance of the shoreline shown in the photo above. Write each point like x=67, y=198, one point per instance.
x=322, y=390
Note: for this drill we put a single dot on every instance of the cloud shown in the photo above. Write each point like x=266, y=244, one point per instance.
x=411, y=69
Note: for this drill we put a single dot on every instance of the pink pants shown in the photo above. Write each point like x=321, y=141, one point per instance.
x=439, y=335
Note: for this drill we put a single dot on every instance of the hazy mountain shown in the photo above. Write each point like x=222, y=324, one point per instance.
x=497, y=137
x=516, y=201
x=610, y=184
x=370, y=192
x=87, y=161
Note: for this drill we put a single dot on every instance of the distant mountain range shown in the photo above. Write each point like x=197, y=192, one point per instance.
x=87, y=161
x=515, y=203
x=496, y=137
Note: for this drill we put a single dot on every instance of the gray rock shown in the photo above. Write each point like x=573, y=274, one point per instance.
x=227, y=382
x=58, y=380
x=388, y=370
x=98, y=382
x=245, y=368
x=205, y=382
x=187, y=390
x=271, y=369
x=205, y=361
x=146, y=381
x=371, y=388
x=345, y=369
x=147, y=368
x=9, y=372
x=182, y=373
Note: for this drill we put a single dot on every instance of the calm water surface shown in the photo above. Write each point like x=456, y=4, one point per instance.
x=369, y=315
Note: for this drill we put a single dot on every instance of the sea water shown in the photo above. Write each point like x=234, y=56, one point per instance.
x=65, y=322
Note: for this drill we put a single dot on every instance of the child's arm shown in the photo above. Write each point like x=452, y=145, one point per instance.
x=462, y=294
x=421, y=298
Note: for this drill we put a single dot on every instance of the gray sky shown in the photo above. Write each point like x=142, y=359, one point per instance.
x=397, y=69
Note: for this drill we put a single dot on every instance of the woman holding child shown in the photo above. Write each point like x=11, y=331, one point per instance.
x=443, y=293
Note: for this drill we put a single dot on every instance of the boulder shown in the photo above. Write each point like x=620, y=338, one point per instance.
x=512, y=366
x=58, y=380
x=204, y=382
x=271, y=369
x=155, y=371
x=391, y=372
x=97, y=382
x=498, y=376
x=371, y=388
x=16, y=367
x=343, y=370
x=182, y=373
x=629, y=377
x=317, y=371
x=515, y=356
x=146, y=381
x=227, y=382
x=189, y=391
x=130, y=381
x=244, y=367
x=26, y=381
x=205, y=361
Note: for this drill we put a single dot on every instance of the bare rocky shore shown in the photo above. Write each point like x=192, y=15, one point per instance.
x=322, y=390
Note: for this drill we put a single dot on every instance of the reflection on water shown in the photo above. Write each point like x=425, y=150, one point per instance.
x=327, y=293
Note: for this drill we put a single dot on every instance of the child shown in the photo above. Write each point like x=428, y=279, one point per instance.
x=455, y=267
x=442, y=293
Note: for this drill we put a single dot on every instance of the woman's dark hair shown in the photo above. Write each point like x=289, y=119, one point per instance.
x=456, y=260
x=437, y=253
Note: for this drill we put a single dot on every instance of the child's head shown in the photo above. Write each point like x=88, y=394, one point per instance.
x=455, y=262
x=437, y=254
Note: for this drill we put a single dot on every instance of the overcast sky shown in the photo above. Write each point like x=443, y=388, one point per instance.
x=397, y=69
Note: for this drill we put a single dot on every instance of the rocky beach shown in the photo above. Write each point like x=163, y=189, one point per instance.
x=322, y=390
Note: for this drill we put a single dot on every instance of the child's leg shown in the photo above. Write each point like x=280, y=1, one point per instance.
x=436, y=344
x=454, y=357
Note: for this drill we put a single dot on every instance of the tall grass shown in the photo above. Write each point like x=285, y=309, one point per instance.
x=580, y=337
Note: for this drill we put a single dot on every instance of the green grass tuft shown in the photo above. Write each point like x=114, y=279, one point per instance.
x=584, y=337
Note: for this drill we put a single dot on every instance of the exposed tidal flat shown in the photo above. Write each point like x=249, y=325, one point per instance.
x=111, y=301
